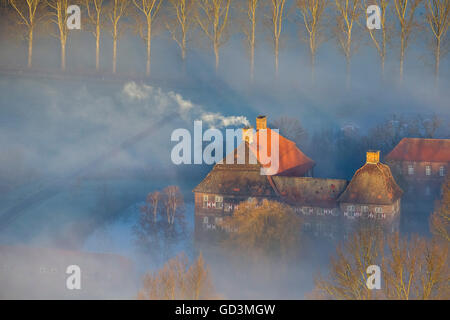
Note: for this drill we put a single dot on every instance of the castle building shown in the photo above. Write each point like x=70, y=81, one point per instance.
x=325, y=204
x=420, y=165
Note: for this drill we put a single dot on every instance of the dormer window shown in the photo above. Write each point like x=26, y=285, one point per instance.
x=410, y=169
x=428, y=170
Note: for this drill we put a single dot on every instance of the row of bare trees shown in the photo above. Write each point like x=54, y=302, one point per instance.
x=345, y=18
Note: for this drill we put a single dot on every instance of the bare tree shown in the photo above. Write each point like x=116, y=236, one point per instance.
x=379, y=38
x=152, y=205
x=347, y=278
x=181, y=22
x=347, y=17
x=59, y=17
x=173, y=203
x=94, y=13
x=312, y=12
x=26, y=13
x=405, y=10
x=117, y=9
x=437, y=18
x=250, y=7
x=199, y=281
x=178, y=280
x=212, y=17
x=414, y=268
x=440, y=219
x=149, y=8
x=276, y=23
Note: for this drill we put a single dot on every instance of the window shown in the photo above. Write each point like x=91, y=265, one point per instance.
x=205, y=220
x=410, y=169
x=378, y=210
x=218, y=220
x=428, y=170
x=219, y=202
x=205, y=200
x=351, y=208
x=364, y=208
x=441, y=171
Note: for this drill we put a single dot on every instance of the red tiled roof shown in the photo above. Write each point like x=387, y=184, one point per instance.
x=415, y=149
x=292, y=161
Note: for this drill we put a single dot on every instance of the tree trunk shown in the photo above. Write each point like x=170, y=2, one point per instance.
x=30, y=47
x=63, y=55
x=313, y=63
x=252, y=54
x=437, y=60
x=347, y=71
x=149, y=44
x=383, y=54
x=347, y=57
x=183, y=48
x=97, y=49
x=402, y=57
x=276, y=58
x=114, y=54
x=252, y=63
x=216, y=53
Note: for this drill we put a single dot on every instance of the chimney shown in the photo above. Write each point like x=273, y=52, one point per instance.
x=247, y=134
x=373, y=156
x=261, y=122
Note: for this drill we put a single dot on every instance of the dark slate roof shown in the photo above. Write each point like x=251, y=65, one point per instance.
x=314, y=192
x=415, y=149
x=373, y=183
x=237, y=180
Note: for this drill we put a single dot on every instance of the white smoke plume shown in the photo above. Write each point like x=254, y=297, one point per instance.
x=172, y=101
